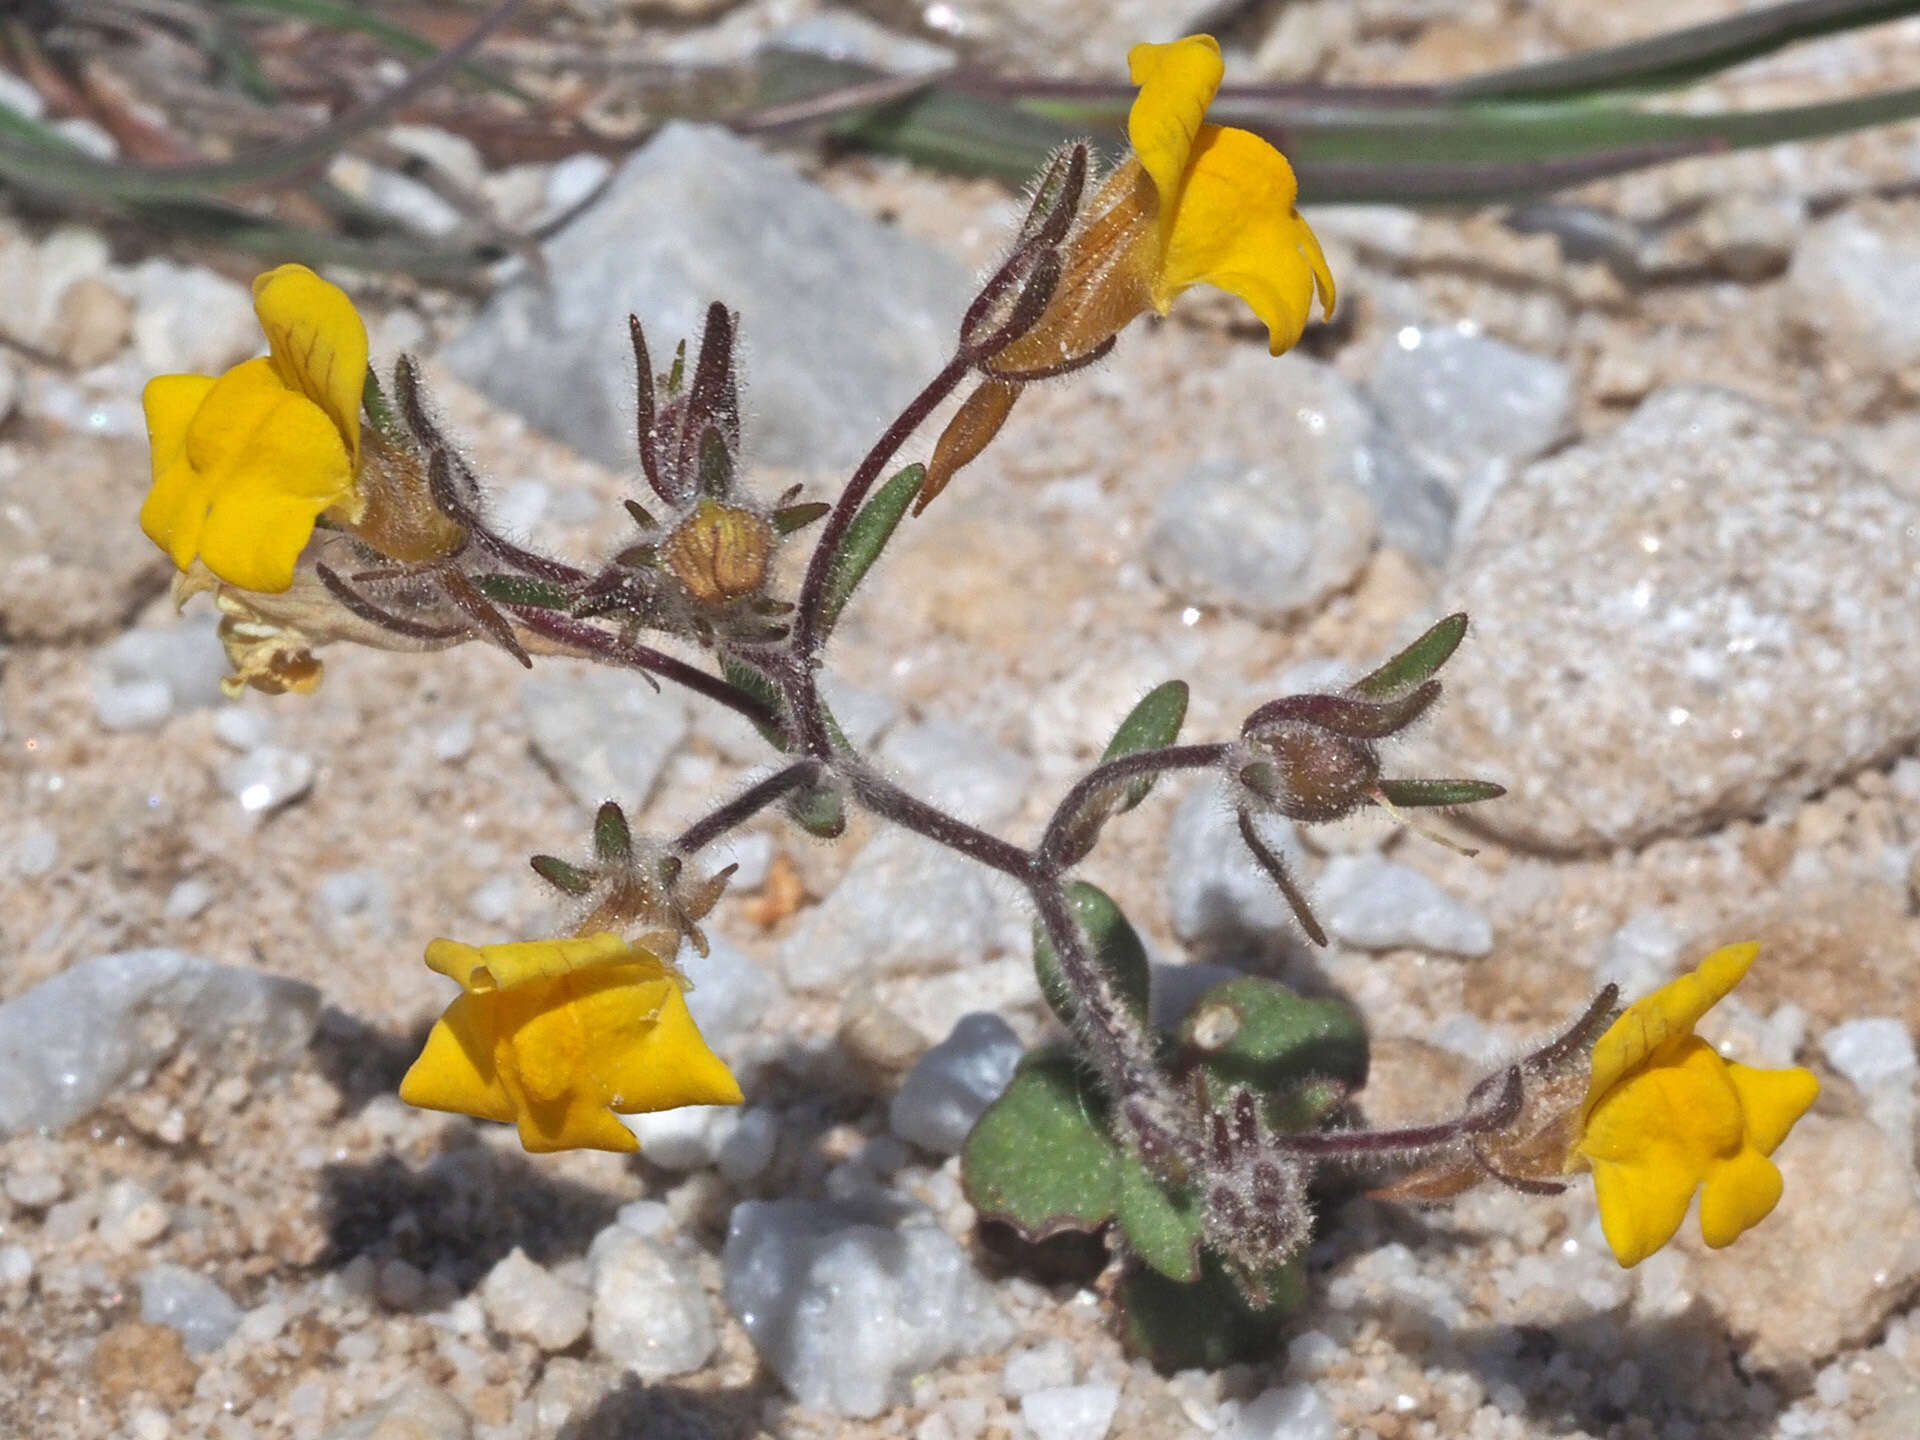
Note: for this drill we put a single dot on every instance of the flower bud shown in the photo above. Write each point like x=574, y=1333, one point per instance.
x=719, y=552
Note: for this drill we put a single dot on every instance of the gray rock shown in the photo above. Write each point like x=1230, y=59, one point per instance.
x=73, y=564
x=1697, y=616
x=959, y=769
x=730, y=994
x=1262, y=540
x=843, y=319
x=1216, y=893
x=1377, y=904
x=530, y=1302
x=649, y=1310
x=604, y=733
x=140, y=1007
x=1855, y=282
x=1876, y=1056
x=951, y=1086
x=189, y=1302
x=1070, y=1412
x=1472, y=407
x=417, y=1411
x=846, y=1310
x=1043, y=1367
x=904, y=904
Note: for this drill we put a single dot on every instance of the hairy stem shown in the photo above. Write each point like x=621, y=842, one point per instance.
x=1102, y=778
x=744, y=806
x=598, y=644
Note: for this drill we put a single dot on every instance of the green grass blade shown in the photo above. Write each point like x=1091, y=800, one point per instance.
x=335, y=15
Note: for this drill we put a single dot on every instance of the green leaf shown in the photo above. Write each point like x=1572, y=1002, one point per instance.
x=523, y=590
x=1040, y=1159
x=716, y=465
x=562, y=876
x=1162, y=1227
x=1116, y=949
x=1257, y=1033
x=1153, y=724
x=743, y=676
x=1209, y=1323
x=1415, y=663
x=866, y=537
x=1440, y=792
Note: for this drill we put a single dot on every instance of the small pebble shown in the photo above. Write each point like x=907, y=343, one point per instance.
x=187, y=900
x=650, y=1311
x=1377, y=904
x=36, y=852
x=267, y=777
x=954, y=1082
x=1043, y=1367
x=1070, y=1412
x=132, y=1215
x=34, y=1187
x=529, y=1302
x=190, y=1303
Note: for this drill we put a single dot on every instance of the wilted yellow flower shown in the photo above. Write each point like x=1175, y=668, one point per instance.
x=243, y=464
x=1664, y=1116
x=559, y=1036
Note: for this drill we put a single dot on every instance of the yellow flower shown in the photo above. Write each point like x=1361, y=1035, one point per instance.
x=243, y=464
x=1664, y=1116
x=559, y=1036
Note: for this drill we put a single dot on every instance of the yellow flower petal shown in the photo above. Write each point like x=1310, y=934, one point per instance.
x=174, y=510
x=242, y=486
x=1177, y=82
x=1639, y=1210
x=580, y=1030
x=1235, y=227
x=318, y=343
x=455, y=1070
x=1739, y=1194
x=1773, y=1102
x=1672, y=1010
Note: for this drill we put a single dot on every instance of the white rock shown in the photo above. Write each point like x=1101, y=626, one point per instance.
x=1633, y=672
x=187, y=900
x=16, y=1266
x=844, y=1309
x=266, y=778
x=132, y=1215
x=1042, y=1367
x=606, y=734
x=134, y=705
x=141, y=1006
x=190, y=319
x=571, y=183
x=952, y=1085
x=1259, y=539
x=1855, y=280
x=1377, y=904
x=417, y=1411
x=189, y=1302
x=1641, y=955
x=1289, y=1412
x=904, y=904
x=530, y=1302
x=687, y=1138
x=186, y=658
x=34, y=1184
x=730, y=994
x=745, y=1153
x=959, y=769
x=1877, y=1056
x=696, y=215
x=845, y=35
x=1070, y=1412
x=649, y=1311
x=36, y=852
x=1217, y=895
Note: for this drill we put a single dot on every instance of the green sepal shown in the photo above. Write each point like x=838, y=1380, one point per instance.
x=1151, y=725
x=1040, y=1159
x=866, y=537
x=1162, y=1226
x=379, y=413
x=523, y=590
x=1440, y=792
x=1209, y=1323
x=819, y=811
x=743, y=676
x=716, y=465
x=1116, y=949
x=677, y=376
x=789, y=518
x=1306, y=1053
x=1415, y=663
x=612, y=840
x=562, y=876
x=642, y=516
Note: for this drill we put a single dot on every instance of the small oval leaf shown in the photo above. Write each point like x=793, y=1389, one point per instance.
x=866, y=537
x=1116, y=949
x=1040, y=1159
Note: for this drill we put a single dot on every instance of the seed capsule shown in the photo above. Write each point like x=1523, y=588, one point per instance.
x=719, y=552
